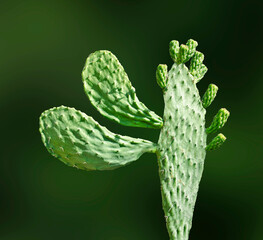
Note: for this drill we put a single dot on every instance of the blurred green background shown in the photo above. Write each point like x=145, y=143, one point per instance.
x=43, y=46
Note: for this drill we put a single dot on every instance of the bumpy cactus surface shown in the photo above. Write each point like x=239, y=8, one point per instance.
x=79, y=141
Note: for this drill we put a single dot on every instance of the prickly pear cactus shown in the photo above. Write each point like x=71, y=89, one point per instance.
x=79, y=141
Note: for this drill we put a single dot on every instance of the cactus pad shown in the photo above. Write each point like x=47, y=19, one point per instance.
x=109, y=89
x=79, y=141
x=182, y=152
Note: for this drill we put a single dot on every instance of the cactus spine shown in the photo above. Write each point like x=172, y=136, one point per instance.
x=76, y=139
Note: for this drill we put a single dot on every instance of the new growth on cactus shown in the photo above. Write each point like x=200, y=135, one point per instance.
x=79, y=141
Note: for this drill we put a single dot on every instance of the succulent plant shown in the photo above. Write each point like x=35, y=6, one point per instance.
x=79, y=141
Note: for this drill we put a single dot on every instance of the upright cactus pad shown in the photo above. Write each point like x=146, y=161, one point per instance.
x=181, y=152
x=78, y=140
x=109, y=89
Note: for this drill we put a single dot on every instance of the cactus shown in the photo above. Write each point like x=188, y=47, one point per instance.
x=79, y=141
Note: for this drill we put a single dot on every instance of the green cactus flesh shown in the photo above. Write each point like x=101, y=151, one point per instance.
x=181, y=152
x=78, y=140
x=109, y=89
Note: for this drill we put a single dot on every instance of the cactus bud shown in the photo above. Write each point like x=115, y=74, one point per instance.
x=192, y=44
x=216, y=142
x=174, y=50
x=183, y=53
x=196, y=61
x=161, y=75
x=197, y=68
x=209, y=95
x=219, y=120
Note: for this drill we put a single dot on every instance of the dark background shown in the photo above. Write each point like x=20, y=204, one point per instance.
x=43, y=46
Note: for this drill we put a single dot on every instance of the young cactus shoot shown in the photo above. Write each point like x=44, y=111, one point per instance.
x=79, y=141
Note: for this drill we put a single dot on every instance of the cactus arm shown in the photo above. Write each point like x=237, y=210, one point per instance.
x=109, y=89
x=78, y=140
